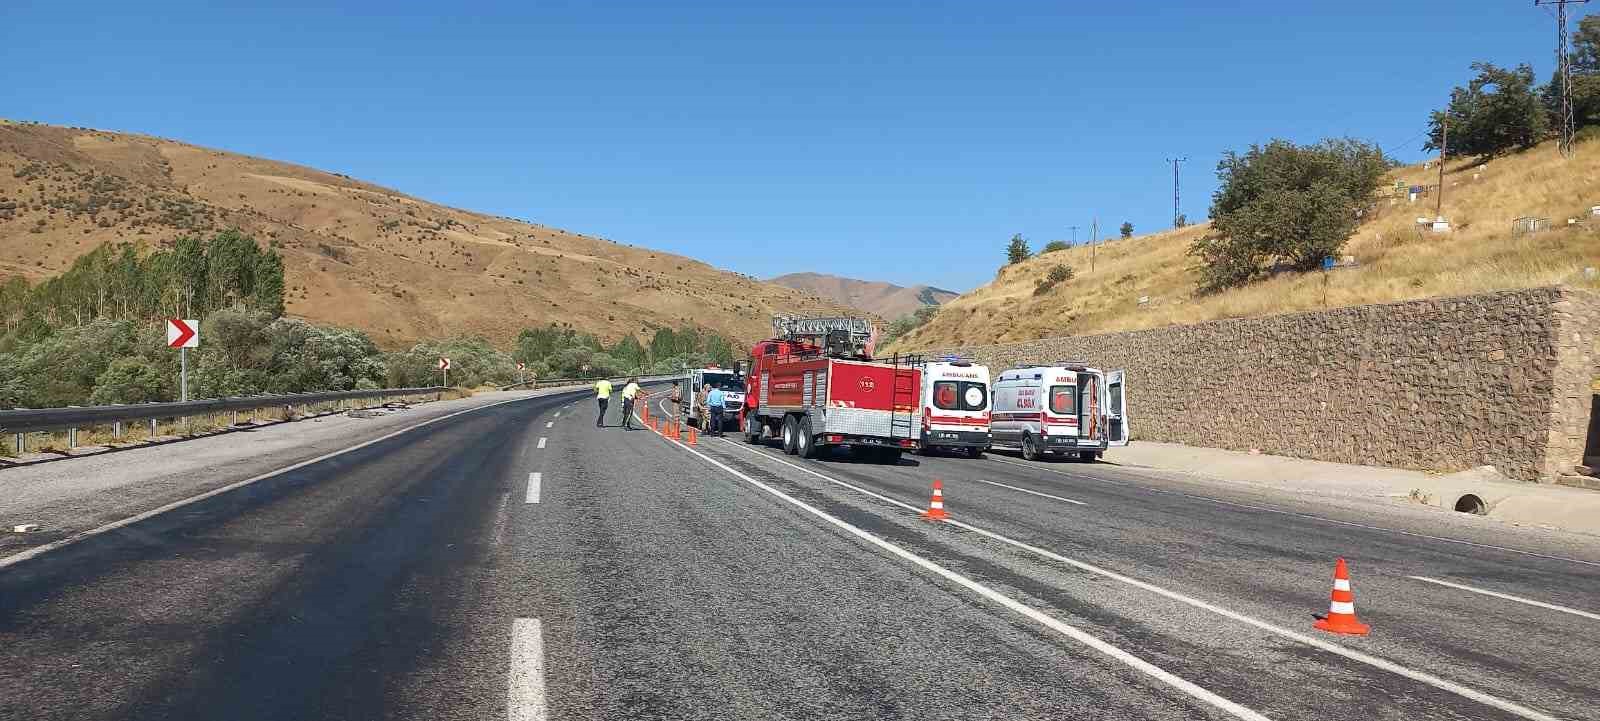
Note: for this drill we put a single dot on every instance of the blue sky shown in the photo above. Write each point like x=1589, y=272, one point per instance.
x=901, y=141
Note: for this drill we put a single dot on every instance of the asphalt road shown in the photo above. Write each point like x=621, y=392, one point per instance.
x=433, y=575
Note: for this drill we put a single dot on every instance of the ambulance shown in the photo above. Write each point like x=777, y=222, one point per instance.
x=955, y=407
x=1068, y=409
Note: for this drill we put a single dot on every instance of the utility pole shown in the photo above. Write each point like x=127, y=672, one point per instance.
x=1444, y=146
x=1175, y=162
x=1564, y=69
x=1094, y=232
x=1074, y=234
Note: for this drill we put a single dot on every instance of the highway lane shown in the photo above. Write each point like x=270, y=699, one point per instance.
x=1269, y=566
x=421, y=577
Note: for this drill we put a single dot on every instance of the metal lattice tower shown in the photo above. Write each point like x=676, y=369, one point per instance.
x=1564, y=69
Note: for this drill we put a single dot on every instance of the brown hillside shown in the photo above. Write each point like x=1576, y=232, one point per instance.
x=357, y=254
x=1392, y=260
x=885, y=300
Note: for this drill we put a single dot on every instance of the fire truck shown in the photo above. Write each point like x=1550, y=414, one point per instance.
x=815, y=386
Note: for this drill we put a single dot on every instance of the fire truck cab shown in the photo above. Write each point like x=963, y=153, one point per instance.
x=1068, y=409
x=955, y=407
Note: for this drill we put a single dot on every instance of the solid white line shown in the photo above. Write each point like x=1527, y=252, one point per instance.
x=534, y=481
x=557, y=414
x=114, y=525
x=1034, y=493
x=542, y=440
x=1413, y=534
x=1509, y=597
x=525, y=695
x=550, y=424
x=1000, y=599
x=1386, y=665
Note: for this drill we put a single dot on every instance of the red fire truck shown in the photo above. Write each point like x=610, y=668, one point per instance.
x=815, y=385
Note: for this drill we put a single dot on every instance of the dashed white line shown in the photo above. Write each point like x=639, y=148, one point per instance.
x=1032, y=493
x=1412, y=534
x=550, y=424
x=542, y=440
x=1509, y=597
x=534, y=481
x=1199, y=693
x=525, y=696
x=1383, y=664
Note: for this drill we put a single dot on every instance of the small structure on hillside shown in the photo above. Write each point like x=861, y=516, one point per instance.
x=1529, y=224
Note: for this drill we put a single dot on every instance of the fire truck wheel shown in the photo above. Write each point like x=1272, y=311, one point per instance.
x=805, y=445
x=1030, y=448
x=752, y=429
x=790, y=430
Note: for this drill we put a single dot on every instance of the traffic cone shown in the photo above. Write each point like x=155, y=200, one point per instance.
x=692, y=435
x=935, y=510
x=1341, y=616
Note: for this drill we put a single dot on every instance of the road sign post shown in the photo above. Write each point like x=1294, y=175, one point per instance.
x=444, y=367
x=183, y=334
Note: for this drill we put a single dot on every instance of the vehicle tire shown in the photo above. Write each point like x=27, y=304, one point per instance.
x=805, y=444
x=1086, y=457
x=790, y=430
x=752, y=428
x=975, y=452
x=890, y=456
x=1030, y=448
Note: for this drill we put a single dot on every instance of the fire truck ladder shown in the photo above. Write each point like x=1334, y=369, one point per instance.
x=905, y=396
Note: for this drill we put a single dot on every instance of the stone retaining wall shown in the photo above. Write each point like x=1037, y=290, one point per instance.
x=1440, y=384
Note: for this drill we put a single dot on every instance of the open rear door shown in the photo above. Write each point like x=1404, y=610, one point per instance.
x=1117, y=408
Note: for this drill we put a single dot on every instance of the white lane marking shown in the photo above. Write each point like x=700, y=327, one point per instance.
x=1374, y=661
x=542, y=440
x=550, y=424
x=1072, y=632
x=557, y=414
x=1413, y=534
x=525, y=695
x=534, y=481
x=114, y=525
x=1509, y=597
x=1033, y=493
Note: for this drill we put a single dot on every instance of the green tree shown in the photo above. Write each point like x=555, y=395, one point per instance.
x=629, y=352
x=1585, y=68
x=268, y=292
x=1054, y=246
x=1127, y=230
x=1017, y=251
x=1282, y=203
x=131, y=380
x=1497, y=112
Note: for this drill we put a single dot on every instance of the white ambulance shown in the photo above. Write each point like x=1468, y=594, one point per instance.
x=955, y=407
x=1067, y=409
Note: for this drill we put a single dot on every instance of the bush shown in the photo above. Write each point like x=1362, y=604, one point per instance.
x=131, y=380
x=1284, y=204
x=1054, y=246
x=1017, y=250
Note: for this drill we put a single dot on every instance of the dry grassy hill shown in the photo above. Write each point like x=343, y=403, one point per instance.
x=357, y=254
x=885, y=300
x=1392, y=260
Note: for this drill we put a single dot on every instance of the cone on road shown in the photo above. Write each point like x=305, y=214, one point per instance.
x=1341, y=616
x=935, y=510
x=692, y=435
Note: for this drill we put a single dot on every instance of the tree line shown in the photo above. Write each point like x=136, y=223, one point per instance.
x=95, y=334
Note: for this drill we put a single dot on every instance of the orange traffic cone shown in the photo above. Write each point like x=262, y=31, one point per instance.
x=935, y=510
x=692, y=435
x=1341, y=616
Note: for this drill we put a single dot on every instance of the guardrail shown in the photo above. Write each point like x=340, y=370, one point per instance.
x=22, y=421
x=548, y=382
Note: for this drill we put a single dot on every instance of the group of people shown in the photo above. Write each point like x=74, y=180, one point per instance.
x=711, y=398
x=602, y=394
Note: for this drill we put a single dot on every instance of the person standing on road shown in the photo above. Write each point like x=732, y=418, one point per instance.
x=714, y=400
x=602, y=394
x=677, y=399
x=629, y=392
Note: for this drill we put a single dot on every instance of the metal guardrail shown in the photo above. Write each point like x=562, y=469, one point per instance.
x=32, y=420
x=549, y=382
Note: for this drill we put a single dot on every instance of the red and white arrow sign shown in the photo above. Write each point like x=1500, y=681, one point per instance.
x=183, y=333
x=444, y=363
x=522, y=366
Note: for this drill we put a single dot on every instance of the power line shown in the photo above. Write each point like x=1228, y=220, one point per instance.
x=1564, y=69
x=1175, y=162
